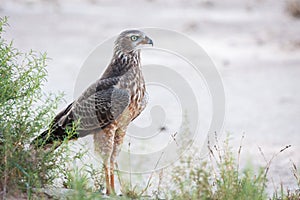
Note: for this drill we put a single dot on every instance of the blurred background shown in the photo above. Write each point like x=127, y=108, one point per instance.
x=255, y=44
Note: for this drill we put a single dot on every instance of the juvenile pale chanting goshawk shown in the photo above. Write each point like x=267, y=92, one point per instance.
x=106, y=108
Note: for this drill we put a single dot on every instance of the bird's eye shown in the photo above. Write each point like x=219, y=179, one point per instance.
x=134, y=38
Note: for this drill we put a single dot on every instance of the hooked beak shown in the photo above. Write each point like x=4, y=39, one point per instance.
x=147, y=40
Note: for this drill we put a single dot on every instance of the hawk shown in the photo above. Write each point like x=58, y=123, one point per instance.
x=106, y=108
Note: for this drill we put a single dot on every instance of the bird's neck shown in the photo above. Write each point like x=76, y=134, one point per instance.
x=123, y=58
x=122, y=62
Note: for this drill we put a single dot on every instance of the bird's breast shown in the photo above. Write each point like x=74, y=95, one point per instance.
x=135, y=84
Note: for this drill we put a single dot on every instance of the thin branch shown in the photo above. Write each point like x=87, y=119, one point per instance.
x=239, y=151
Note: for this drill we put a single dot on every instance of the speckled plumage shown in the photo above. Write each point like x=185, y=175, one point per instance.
x=106, y=108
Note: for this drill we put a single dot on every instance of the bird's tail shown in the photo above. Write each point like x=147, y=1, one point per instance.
x=57, y=132
x=45, y=140
x=52, y=138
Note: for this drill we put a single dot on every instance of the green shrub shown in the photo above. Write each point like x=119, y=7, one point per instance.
x=216, y=178
x=24, y=110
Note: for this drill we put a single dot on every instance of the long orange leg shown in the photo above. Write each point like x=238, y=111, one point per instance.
x=112, y=178
x=118, y=140
x=107, y=182
x=104, y=143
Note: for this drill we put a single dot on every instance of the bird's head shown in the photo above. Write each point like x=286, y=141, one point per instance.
x=128, y=41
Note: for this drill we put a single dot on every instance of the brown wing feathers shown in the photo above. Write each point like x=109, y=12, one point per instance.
x=97, y=107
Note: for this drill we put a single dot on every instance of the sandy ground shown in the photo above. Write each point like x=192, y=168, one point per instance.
x=254, y=44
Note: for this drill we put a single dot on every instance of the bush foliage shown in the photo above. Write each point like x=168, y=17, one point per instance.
x=24, y=110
